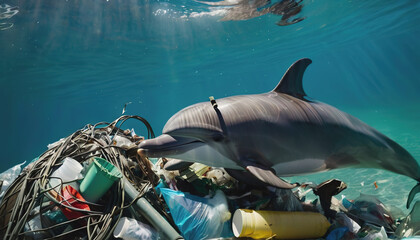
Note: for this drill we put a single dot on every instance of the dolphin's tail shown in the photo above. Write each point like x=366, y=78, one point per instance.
x=413, y=192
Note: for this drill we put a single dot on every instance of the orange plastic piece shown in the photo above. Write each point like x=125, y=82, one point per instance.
x=71, y=197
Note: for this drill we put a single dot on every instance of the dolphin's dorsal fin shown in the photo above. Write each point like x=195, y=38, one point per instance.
x=291, y=82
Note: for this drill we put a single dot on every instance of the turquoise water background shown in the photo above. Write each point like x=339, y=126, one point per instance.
x=68, y=63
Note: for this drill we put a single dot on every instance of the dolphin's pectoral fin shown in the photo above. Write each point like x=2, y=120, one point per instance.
x=413, y=192
x=245, y=177
x=291, y=82
x=267, y=176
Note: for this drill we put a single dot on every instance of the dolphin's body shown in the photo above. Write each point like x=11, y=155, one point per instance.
x=279, y=133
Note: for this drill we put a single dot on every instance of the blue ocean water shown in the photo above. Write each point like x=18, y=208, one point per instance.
x=68, y=63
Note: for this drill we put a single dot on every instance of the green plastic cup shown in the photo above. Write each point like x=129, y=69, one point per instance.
x=99, y=179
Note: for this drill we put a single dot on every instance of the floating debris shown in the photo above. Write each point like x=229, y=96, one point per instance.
x=125, y=107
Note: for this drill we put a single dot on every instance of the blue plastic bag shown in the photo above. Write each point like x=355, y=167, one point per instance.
x=197, y=217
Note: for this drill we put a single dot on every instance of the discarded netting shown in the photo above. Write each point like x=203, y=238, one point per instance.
x=43, y=204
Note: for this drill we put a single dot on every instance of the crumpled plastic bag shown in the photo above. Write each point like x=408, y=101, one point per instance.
x=286, y=200
x=369, y=209
x=8, y=177
x=198, y=217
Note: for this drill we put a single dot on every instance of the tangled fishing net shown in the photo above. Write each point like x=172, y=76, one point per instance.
x=31, y=195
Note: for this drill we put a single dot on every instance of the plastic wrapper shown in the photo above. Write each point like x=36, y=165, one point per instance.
x=123, y=142
x=55, y=144
x=369, y=232
x=168, y=176
x=220, y=177
x=369, y=209
x=343, y=220
x=198, y=217
x=286, y=201
x=337, y=205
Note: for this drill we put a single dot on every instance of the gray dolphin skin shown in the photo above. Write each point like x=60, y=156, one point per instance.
x=278, y=133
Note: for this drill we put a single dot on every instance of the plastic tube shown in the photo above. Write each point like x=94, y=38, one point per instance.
x=282, y=225
x=151, y=215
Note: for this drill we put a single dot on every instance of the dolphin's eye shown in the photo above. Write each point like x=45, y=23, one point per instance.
x=217, y=137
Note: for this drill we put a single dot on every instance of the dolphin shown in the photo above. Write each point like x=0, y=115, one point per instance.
x=276, y=134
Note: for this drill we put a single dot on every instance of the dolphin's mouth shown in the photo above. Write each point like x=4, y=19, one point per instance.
x=166, y=145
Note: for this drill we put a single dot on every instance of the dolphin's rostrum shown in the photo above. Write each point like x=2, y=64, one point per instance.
x=278, y=133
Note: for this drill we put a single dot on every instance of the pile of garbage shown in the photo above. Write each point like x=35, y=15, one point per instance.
x=97, y=184
x=233, y=209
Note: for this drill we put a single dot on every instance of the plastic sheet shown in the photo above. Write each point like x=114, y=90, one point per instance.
x=8, y=177
x=197, y=217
